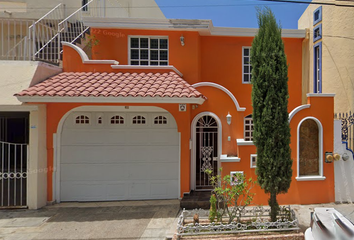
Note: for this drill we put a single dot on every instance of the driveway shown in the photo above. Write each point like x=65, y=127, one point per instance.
x=99, y=220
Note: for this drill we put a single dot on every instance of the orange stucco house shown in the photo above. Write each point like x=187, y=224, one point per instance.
x=175, y=99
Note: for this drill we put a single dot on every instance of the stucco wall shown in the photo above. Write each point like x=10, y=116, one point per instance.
x=18, y=75
x=337, y=52
x=37, y=168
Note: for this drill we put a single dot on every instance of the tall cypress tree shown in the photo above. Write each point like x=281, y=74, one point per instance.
x=270, y=109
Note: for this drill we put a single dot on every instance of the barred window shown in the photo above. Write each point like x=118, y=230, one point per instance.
x=246, y=65
x=249, y=128
x=148, y=51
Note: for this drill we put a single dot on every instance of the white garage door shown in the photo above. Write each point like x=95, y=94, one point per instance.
x=119, y=156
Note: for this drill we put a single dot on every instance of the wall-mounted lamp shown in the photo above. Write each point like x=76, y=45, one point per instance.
x=182, y=40
x=228, y=118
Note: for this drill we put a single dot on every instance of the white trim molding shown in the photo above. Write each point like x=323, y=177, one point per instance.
x=18, y=108
x=194, y=150
x=298, y=109
x=222, y=88
x=199, y=100
x=310, y=178
x=320, y=94
x=204, y=27
x=225, y=158
x=84, y=57
x=242, y=142
x=139, y=67
x=320, y=155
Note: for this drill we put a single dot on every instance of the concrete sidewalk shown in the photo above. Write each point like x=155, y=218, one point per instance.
x=113, y=220
x=99, y=220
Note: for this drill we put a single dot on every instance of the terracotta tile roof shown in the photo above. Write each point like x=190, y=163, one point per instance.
x=89, y=84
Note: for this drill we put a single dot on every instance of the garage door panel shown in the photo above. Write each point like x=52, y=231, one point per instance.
x=117, y=191
x=115, y=137
x=93, y=154
x=164, y=137
x=97, y=172
x=127, y=162
x=165, y=171
x=162, y=189
x=82, y=137
x=82, y=191
x=139, y=189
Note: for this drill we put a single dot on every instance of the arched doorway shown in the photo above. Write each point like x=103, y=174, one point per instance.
x=206, y=149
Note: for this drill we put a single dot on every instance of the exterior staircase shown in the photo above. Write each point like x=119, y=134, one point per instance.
x=41, y=41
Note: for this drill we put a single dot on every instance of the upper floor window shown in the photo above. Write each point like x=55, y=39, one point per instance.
x=317, y=33
x=84, y=5
x=317, y=15
x=82, y=119
x=246, y=65
x=317, y=67
x=148, y=51
x=249, y=128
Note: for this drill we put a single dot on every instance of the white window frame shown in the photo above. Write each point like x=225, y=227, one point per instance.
x=234, y=172
x=148, y=60
x=253, y=156
x=250, y=130
x=244, y=65
x=320, y=155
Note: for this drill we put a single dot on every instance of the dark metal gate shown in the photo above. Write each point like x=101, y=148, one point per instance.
x=206, y=151
x=14, y=159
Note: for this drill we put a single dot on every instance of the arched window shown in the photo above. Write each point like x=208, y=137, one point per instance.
x=160, y=120
x=310, y=149
x=117, y=119
x=248, y=128
x=139, y=120
x=82, y=119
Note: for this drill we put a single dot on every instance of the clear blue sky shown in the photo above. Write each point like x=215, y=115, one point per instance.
x=232, y=13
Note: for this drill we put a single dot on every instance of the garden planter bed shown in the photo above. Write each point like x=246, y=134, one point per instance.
x=252, y=221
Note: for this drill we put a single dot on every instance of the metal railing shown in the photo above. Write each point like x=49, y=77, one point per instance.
x=14, y=39
x=41, y=40
x=13, y=174
x=347, y=120
x=72, y=28
x=42, y=33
